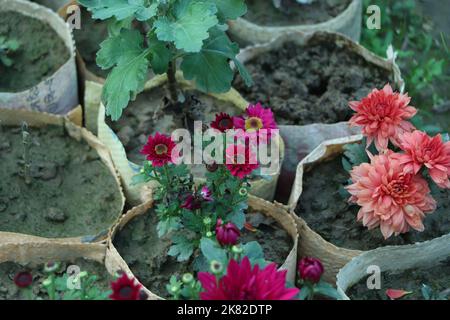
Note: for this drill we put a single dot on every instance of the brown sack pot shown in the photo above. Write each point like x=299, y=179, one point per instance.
x=398, y=258
x=347, y=22
x=115, y=262
x=38, y=119
x=58, y=93
x=310, y=242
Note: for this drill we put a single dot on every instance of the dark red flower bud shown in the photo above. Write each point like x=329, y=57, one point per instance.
x=310, y=269
x=227, y=234
x=23, y=279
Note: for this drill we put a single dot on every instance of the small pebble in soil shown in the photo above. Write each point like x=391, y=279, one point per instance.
x=55, y=215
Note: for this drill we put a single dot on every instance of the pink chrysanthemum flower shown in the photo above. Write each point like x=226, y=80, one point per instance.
x=389, y=197
x=431, y=152
x=383, y=116
x=158, y=149
x=223, y=122
x=125, y=288
x=240, y=161
x=256, y=118
x=242, y=282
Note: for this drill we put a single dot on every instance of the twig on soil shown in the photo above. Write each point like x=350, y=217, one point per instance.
x=26, y=153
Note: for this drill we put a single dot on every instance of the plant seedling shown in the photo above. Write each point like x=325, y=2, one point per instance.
x=185, y=33
x=7, y=47
x=26, y=161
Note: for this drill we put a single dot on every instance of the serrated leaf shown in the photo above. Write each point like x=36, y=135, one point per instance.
x=115, y=26
x=355, y=153
x=120, y=48
x=160, y=55
x=210, y=68
x=230, y=9
x=211, y=250
x=253, y=251
x=182, y=248
x=124, y=83
x=120, y=9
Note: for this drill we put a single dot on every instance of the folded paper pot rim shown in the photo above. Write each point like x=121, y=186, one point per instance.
x=40, y=119
x=393, y=258
x=63, y=83
x=305, y=39
x=114, y=261
x=260, y=187
x=348, y=22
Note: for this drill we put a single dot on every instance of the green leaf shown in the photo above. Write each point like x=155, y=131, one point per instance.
x=190, y=25
x=355, y=153
x=230, y=9
x=182, y=248
x=115, y=26
x=120, y=9
x=304, y=293
x=253, y=251
x=160, y=55
x=238, y=215
x=120, y=48
x=327, y=290
x=167, y=225
x=212, y=251
x=210, y=68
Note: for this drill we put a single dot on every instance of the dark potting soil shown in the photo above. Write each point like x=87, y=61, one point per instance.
x=436, y=277
x=263, y=12
x=323, y=206
x=9, y=291
x=312, y=84
x=146, y=254
x=72, y=193
x=148, y=114
x=88, y=40
x=41, y=53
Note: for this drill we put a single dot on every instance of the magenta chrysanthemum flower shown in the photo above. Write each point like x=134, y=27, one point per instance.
x=223, y=122
x=158, y=149
x=125, y=288
x=194, y=201
x=382, y=116
x=256, y=118
x=240, y=161
x=227, y=234
x=242, y=282
x=206, y=194
x=310, y=269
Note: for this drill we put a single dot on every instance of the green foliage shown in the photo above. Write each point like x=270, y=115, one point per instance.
x=429, y=294
x=7, y=47
x=189, y=30
x=354, y=155
x=182, y=247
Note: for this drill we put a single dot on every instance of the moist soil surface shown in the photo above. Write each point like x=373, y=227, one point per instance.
x=437, y=278
x=146, y=254
x=149, y=114
x=41, y=52
x=312, y=84
x=9, y=291
x=72, y=193
x=88, y=40
x=263, y=12
x=323, y=205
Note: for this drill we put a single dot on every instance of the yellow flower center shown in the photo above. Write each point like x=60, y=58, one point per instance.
x=160, y=149
x=253, y=124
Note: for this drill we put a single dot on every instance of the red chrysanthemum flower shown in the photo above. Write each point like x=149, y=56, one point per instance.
x=255, y=119
x=158, y=149
x=23, y=279
x=194, y=200
x=125, y=288
x=240, y=161
x=423, y=150
x=390, y=197
x=227, y=234
x=383, y=116
x=223, y=122
x=242, y=282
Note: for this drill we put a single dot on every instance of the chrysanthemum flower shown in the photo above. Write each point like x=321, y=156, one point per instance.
x=310, y=269
x=223, y=122
x=240, y=161
x=194, y=200
x=23, y=279
x=256, y=118
x=158, y=149
x=125, y=288
x=422, y=150
x=383, y=116
x=242, y=282
x=389, y=197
